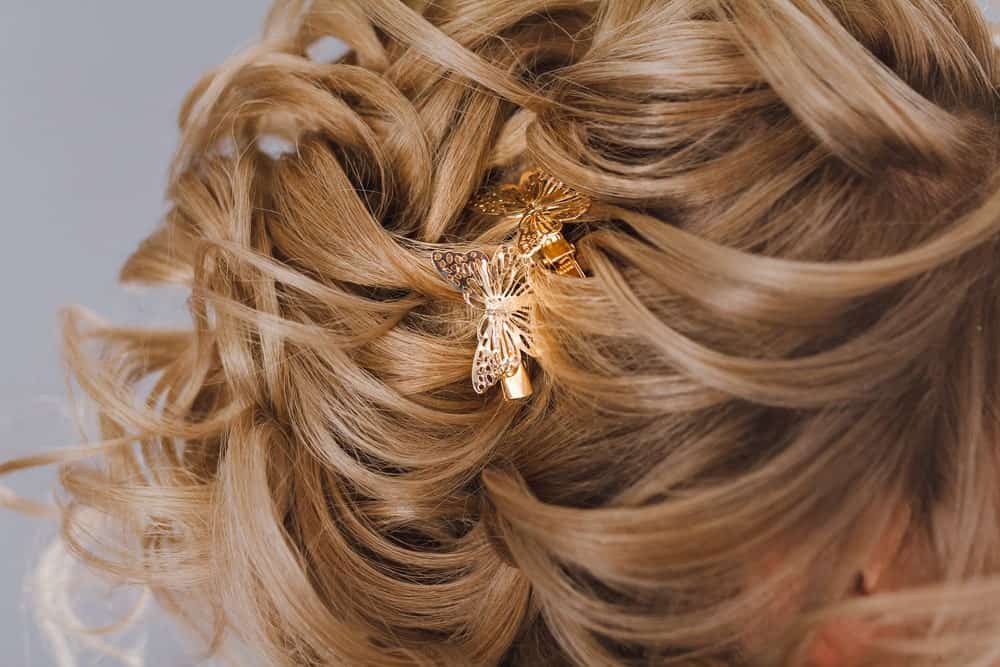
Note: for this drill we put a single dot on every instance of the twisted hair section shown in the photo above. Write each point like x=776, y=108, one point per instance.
x=788, y=327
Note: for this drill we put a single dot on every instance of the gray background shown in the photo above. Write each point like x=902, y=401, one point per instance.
x=89, y=93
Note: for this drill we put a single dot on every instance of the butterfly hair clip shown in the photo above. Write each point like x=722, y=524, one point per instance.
x=498, y=287
x=542, y=205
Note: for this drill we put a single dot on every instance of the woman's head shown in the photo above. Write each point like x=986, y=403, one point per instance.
x=771, y=402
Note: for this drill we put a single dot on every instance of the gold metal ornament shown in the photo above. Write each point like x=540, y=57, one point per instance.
x=543, y=205
x=499, y=287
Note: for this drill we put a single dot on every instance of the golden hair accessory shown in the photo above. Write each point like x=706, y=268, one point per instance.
x=499, y=288
x=543, y=205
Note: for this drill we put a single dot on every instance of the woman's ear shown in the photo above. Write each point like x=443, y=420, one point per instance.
x=877, y=573
x=841, y=643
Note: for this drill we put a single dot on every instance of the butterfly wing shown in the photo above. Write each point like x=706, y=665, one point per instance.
x=487, y=364
x=460, y=269
x=565, y=205
x=508, y=274
x=498, y=353
x=501, y=200
x=557, y=202
x=533, y=184
x=511, y=283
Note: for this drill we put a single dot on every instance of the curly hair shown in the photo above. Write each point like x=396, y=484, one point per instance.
x=787, y=329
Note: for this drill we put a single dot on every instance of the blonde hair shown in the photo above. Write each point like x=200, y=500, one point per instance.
x=788, y=330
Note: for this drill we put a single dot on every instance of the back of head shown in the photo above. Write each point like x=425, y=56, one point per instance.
x=785, y=338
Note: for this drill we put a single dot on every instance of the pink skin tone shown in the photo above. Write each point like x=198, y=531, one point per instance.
x=839, y=645
x=842, y=643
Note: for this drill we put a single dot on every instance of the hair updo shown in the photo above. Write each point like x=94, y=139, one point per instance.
x=790, y=325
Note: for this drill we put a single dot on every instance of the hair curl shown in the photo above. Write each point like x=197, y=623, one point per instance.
x=789, y=327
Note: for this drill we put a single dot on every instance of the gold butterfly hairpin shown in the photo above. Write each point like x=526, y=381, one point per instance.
x=498, y=287
x=543, y=204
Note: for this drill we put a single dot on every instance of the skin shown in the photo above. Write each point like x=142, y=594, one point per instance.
x=842, y=643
